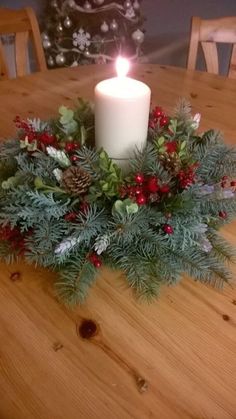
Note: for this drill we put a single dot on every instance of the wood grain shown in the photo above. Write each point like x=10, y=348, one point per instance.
x=171, y=360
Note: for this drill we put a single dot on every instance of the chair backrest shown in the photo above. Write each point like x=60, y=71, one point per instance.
x=209, y=33
x=23, y=24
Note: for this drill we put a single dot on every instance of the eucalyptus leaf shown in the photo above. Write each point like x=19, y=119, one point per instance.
x=183, y=145
x=161, y=141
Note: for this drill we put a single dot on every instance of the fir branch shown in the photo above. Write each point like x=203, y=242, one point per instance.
x=28, y=207
x=182, y=110
x=40, y=245
x=82, y=233
x=221, y=248
x=7, y=254
x=88, y=159
x=39, y=165
x=75, y=280
x=212, y=205
x=143, y=158
x=9, y=149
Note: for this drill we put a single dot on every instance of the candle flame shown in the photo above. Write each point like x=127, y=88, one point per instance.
x=122, y=66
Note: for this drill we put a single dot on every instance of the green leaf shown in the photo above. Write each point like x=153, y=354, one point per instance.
x=38, y=183
x=105, y=187
x=70, y=127
x=161, y=141
x=125, y=207
x=11, y=182
x=103, y=155
x=118, y=207
x=173, y=125
x=66, y=115
x=132, y=208
x=83, y=135
x=183, y=145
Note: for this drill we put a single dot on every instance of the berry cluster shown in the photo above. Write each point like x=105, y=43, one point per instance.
x=158, y=118
x=27, y=131
x=143, y=189
x=187, y=176
x=44, y=139
x=14, y=237
x=171, y=147
x=230, y=184
x=95, y=259
x=70, y=148
x=227, y=183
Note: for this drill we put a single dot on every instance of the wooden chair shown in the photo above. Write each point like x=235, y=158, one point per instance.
x=208, y=33
x=23, y=24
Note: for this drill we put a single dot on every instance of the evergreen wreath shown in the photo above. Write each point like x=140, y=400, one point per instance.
x=66, y=206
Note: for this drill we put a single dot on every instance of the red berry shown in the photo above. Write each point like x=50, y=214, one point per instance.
x=224, y=178
x=171, y=146
x=223, y=184
x=95, y=260
x=157, y=112
x=71, y=216
x=69, y=147
x=97, y=263
x=186, y=178
x=47, y=138
x=152, y=184
x=31, y=136
x=74, y=158
x=84, y=206
x=165, y=189
x=223, y=214
x=139, y=178
x=168, y=229
x=164, y=121
x=141, y=199
x=93, y=257
x=16, y=119
x=233, y=183
x=138, y=190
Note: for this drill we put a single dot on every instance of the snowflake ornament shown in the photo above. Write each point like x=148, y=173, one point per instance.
x=81, y=39
x=130, y=13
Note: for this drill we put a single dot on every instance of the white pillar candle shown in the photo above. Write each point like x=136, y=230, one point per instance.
x=121, y=114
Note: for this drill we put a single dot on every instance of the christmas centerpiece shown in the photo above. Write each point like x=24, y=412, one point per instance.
x=153, y=212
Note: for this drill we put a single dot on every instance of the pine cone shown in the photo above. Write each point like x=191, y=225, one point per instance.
x=75, y=180
x=171, y=162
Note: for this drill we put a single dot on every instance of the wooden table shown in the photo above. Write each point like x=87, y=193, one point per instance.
x=179, y=351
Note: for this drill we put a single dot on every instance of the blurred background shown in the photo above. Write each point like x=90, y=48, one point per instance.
x=166, y=26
